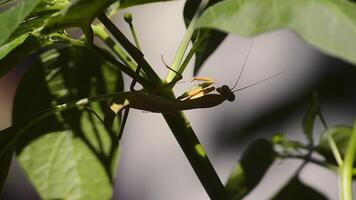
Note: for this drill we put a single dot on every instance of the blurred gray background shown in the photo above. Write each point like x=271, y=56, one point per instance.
x=152, y=165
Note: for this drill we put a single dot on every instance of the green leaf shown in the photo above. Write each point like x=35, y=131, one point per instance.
x=341, y=135
x=253, y=164
x=36, y=20
x=296, y=190
x=329, y=25
x=4, y=2
x=8, y=47
x=15, y=52
x=79, y=13
x=209, y=39
x=49, y=7
x=11, y=18
x=128, y=3
x=69, y=155
x=310, y=116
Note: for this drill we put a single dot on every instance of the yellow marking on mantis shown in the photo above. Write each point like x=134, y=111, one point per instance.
x=205, y=79
x=200, y=90
x=117, y=107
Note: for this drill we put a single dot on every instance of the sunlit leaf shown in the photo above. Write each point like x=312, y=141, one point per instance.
x=211, y=39
x=341, y=136
x=78, y=13
x=49, y=7
x=11, y=18
x=8, y=47
x=69, y=155
x=36, y=20
x=329, y=25
x=251, y=168
x=296, y=190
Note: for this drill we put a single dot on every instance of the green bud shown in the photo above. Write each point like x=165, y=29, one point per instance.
x=128, y=17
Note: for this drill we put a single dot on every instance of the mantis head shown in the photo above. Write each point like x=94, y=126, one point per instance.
x=226, y=92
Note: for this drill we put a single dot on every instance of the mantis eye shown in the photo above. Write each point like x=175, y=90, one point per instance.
x=226, y=92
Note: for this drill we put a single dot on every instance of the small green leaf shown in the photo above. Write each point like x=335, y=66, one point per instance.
x=253, y=164
x=310, y=116
x=341, y=135
x=78, y=13
x=8, y=47
x=129, y=3
x=210, y=39
x=11, y=18
x=16, y=51
x=329, y=25
x=46, y=7
x=296, y=190
x=69, y=155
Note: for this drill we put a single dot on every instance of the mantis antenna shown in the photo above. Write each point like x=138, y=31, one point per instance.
x=253, y=84
x=243, y=66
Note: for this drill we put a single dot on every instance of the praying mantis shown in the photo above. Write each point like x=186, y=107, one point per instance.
x=198, y=97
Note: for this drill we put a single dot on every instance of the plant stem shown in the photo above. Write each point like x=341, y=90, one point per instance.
x=104, y=36
x=128, y=19
x=346, y=169
x=124, y=68
x=184, y=44
x=335, y=150
x=312, y=160
x=135, y=53
x=196, y=155
x=190, y=55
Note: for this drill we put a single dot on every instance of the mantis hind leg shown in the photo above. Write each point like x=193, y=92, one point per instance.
x=127, y=110
x=123, y=122
x=179, y=75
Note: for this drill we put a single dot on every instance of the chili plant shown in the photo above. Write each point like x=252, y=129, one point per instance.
x=65, y=126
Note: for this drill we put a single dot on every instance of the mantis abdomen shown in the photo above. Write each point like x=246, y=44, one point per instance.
x=158, y=104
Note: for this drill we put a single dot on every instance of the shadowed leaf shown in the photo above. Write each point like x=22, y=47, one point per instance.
x=5, y=157
x=68, y=155
x=210, y=39
x=253, y=164
x=296, y=190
